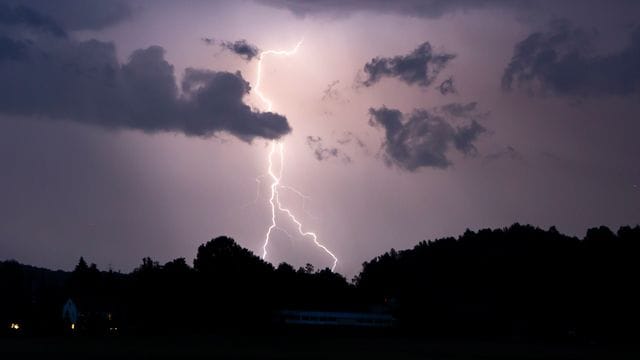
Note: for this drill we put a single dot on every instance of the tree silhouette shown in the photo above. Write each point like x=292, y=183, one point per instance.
x=519, y=281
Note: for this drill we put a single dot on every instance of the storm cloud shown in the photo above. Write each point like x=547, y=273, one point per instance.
x=53, y=77
x=562, y=62
x=414, y=8
x=420, y=67
x=73, y=14
x=27, y=17
x=424, y=137
x=241, y=48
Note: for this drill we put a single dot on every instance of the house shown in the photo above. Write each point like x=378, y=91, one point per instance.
x=70, y=314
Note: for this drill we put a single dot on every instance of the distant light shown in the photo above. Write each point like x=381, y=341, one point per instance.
x=73, y=326
x=14, y=326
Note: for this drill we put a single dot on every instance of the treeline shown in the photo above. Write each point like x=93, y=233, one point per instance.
x=228, y=287
x=517, y=282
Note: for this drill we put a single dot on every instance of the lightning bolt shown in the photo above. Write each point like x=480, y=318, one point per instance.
x=259, y=72
x=278, y=147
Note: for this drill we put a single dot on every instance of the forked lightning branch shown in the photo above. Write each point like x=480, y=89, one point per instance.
x=277, y=149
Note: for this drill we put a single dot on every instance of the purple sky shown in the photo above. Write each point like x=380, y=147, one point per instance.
x=115, y=150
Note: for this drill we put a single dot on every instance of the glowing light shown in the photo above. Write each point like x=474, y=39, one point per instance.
x=304, y=198
x=14, y=326
x=274, y=199
x=256, y=87
x=73, y=326
x=274, y=193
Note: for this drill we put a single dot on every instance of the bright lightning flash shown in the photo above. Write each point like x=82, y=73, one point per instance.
x=259, y=72
x=274, y=200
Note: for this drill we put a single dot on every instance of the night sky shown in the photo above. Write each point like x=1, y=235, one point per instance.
x=132, y=128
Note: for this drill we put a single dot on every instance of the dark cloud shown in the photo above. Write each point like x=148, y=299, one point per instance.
x=77, y=14
x=420, y=67
x=322, y=152
x=215, y=98
x=447, y=87
x=11, y=49
x=28, y=17
x=424, y=137
x=465, y=136
x=414, y=8
x=60, y=78
x=562, y=62
x=241, y=48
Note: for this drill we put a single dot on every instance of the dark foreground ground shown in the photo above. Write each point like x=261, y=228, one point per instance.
x=296, y=346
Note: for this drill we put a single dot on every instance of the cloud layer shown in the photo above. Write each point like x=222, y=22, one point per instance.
x=27, y=17
x=76, y=14
x=562, y=62
x=420, y=67
x=424, y=137
x=415, y=8
x=52, y=76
